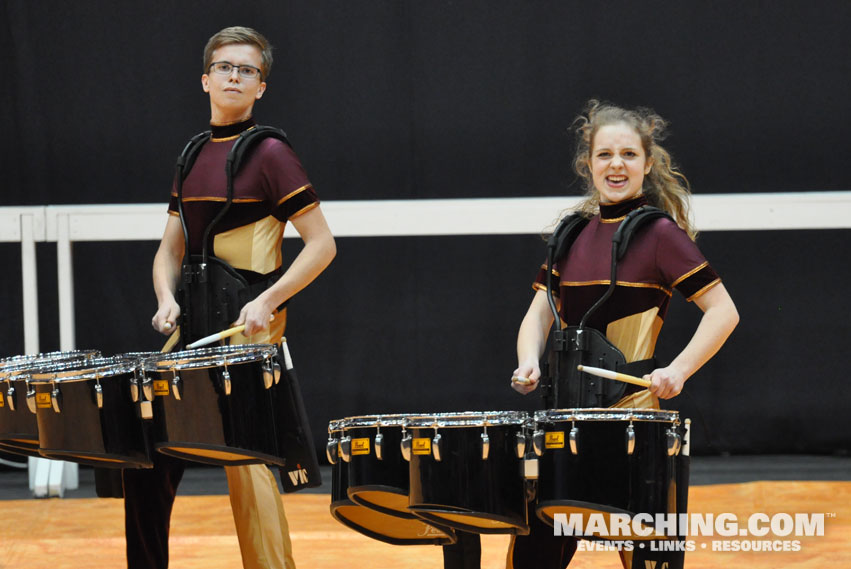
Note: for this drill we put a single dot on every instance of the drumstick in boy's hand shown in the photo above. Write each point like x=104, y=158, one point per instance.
x=614, y=375
x=216, y=337
x=220, y=335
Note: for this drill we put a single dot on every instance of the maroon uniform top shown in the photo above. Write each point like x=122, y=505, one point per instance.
x=270, y=188
x=660, y=258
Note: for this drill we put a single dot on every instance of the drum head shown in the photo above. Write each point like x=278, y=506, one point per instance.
x=475, y=522
x=386, y=499
x=390, y=529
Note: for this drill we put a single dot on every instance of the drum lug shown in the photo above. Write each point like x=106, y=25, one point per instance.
x=574, y=439
x=520, y=444
x=486, y=446
x=134, y=389
x=538, y=442
x=147, y=388
x=56, y=399
x=405, y=446
x=331, y=450
x=276, y=370
x=379, y=446
x=99, y=395
x=673, y=442
x=177, y=386
x=31, y=398
x=346, y=448
x=226, y=382
x=10, y=397
x=268, y=375
x=435, y=447
x=630, y=439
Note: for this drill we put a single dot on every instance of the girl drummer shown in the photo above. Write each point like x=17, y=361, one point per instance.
x=624, y=167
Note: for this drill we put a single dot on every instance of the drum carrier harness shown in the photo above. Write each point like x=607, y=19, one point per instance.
x=562, y=385
x=211, y=292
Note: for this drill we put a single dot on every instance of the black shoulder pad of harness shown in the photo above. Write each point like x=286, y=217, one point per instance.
x=248, y=140
x=634, y=220
x=190, y=152
x=565, y=234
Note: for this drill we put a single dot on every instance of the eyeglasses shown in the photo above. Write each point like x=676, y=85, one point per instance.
x=226, y=68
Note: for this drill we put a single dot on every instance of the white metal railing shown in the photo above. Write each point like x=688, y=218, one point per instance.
x=26, y=225
x=376, y=218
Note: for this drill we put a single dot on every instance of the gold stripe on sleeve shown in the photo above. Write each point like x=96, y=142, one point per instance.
x=699, y=293
x=292, y=193
x=690, y=273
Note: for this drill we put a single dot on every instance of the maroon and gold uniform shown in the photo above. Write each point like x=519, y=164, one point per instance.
x=660, y=259
x=270, y=189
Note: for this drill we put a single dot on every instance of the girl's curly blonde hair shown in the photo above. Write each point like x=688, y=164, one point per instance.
x=665, y=186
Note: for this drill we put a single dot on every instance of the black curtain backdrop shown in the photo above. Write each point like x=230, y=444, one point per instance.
x=449, y=99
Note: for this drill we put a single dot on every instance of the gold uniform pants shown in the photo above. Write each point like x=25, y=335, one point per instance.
x=258, y=512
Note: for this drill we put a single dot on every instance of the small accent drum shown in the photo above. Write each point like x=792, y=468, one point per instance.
x=609, y=461
x=18, y=424
x=375, y=523
x=466, y=470
x=378, y=474
x=86, y=413
x=213, y=405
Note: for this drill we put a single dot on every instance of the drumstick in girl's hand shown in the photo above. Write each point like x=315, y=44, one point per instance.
x=614, y=375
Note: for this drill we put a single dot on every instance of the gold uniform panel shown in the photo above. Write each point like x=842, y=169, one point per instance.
x=636, y=335
x=247, y=247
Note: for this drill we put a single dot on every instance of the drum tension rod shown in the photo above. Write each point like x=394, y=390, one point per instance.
x=10, y=395
x=436, y=444
x=331, y=449
x=574, y=438
x=379, y=442
x=98, y=391
x=405, y=444
x=486, y=442
x=630, y=437
x=177, y=384
x=56, y=397
x=226, y=382
x=30, y=396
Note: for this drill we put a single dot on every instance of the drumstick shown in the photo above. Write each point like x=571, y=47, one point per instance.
x=220, y=335
x=614, y=375
x=172, y=341
x=216, y=337
x=521, y=379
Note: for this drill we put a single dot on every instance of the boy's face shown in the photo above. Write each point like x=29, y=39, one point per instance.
x=233, y=95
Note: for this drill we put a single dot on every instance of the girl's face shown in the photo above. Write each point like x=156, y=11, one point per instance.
x=618, y=163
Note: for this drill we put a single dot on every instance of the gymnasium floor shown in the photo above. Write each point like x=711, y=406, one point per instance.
x=84, y=531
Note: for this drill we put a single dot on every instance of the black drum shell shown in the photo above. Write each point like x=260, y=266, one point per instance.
x=368, y=474
x=210, y=427
x=110, y=437
x=463, y=483
x=602, y=476
x=379, y=525
x=18, y=428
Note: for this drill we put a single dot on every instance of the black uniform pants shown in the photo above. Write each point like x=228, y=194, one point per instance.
x=148, y=500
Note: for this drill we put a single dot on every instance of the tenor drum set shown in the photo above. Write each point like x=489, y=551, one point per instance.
x=211, y=405
x=412, y=479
